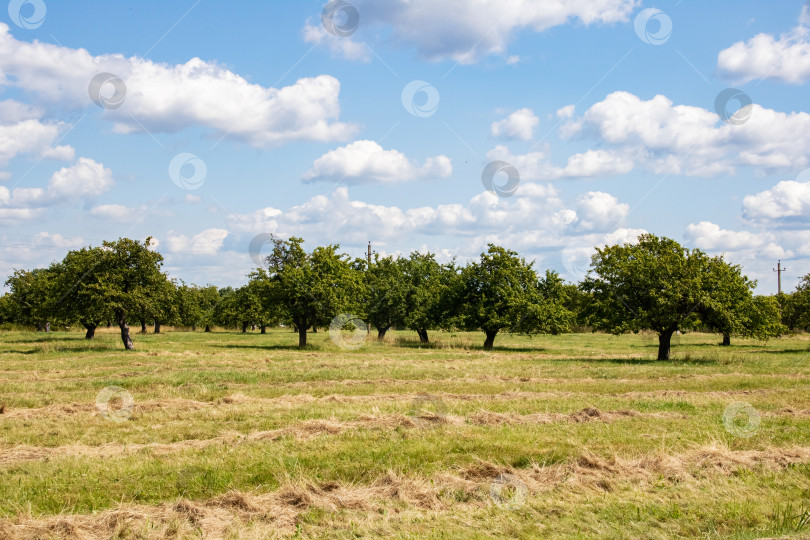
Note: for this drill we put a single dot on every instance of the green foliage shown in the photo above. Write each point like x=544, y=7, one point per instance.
x=796, y=306
x=502, y=291
x=427, y=299
x=77, y=288
x=6, y=309
x=732, y=309
x=188, y=306
x=226, y=311
x=385, y=293
x=310, y=288
x=764, y=319
x=655, y=284
x=31, y=296
x=577, y=302
x=126, y=275
x=558, y=304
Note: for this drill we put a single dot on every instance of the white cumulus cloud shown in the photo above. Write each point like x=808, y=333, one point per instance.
x=599, y=211
x=788, y=200
x=364, y=161
x=169, y=98
x=764, y=56
x=536, y=165
x=343, y=47
x=684, y=139
x=466, y=31
x=518, y=125
x=207, y=242
x=84, y=180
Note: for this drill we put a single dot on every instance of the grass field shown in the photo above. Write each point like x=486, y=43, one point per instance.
x=228, y=435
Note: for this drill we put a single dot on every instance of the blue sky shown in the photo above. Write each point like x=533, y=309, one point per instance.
x=608, y=117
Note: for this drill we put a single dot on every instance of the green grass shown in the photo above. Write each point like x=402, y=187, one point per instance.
x=208, y=407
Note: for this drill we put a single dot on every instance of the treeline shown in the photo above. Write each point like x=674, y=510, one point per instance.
x=655, y=285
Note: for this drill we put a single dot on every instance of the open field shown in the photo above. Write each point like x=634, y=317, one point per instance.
x=244, y=436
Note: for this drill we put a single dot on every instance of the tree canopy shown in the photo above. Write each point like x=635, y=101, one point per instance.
x=311, y=288
x=653, y=284
x=656, y=284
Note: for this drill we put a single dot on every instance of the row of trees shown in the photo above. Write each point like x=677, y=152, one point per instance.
x=655, y=284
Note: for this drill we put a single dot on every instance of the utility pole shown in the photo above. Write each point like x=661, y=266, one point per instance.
x=779, y=271
x=369, y=253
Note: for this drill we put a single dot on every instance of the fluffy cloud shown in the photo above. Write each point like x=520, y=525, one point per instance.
x=22, y=132
x=740, y=246
x=85, y=179
x=340, y=46
x=590, y=164
x=367, y=161
x=536, y=218
x=518, y=125
x=766, y=57
x=598, y=211
x=483, y=27
x=169, y=98
x=682, y=139
x=206, y=242
x=787, y=201
x=349, y=220
x=709, y=236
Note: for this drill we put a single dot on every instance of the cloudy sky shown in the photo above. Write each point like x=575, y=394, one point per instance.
x=435, y=125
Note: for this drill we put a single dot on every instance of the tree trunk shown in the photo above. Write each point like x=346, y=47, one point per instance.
x=381, y=333
x=423, y=335
x=157, y=326
x=122, y=324
x=91, y=331
x=193, y=327
x=726, y=340
x=207, y=328
x=490, y=339
x=314, y=329
x=302, y=336
x=47, y=327
x=143, y=327
x=263, y=329
x=39, y=327
x=109, y=324
x=664, y=339
x=244, y=327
